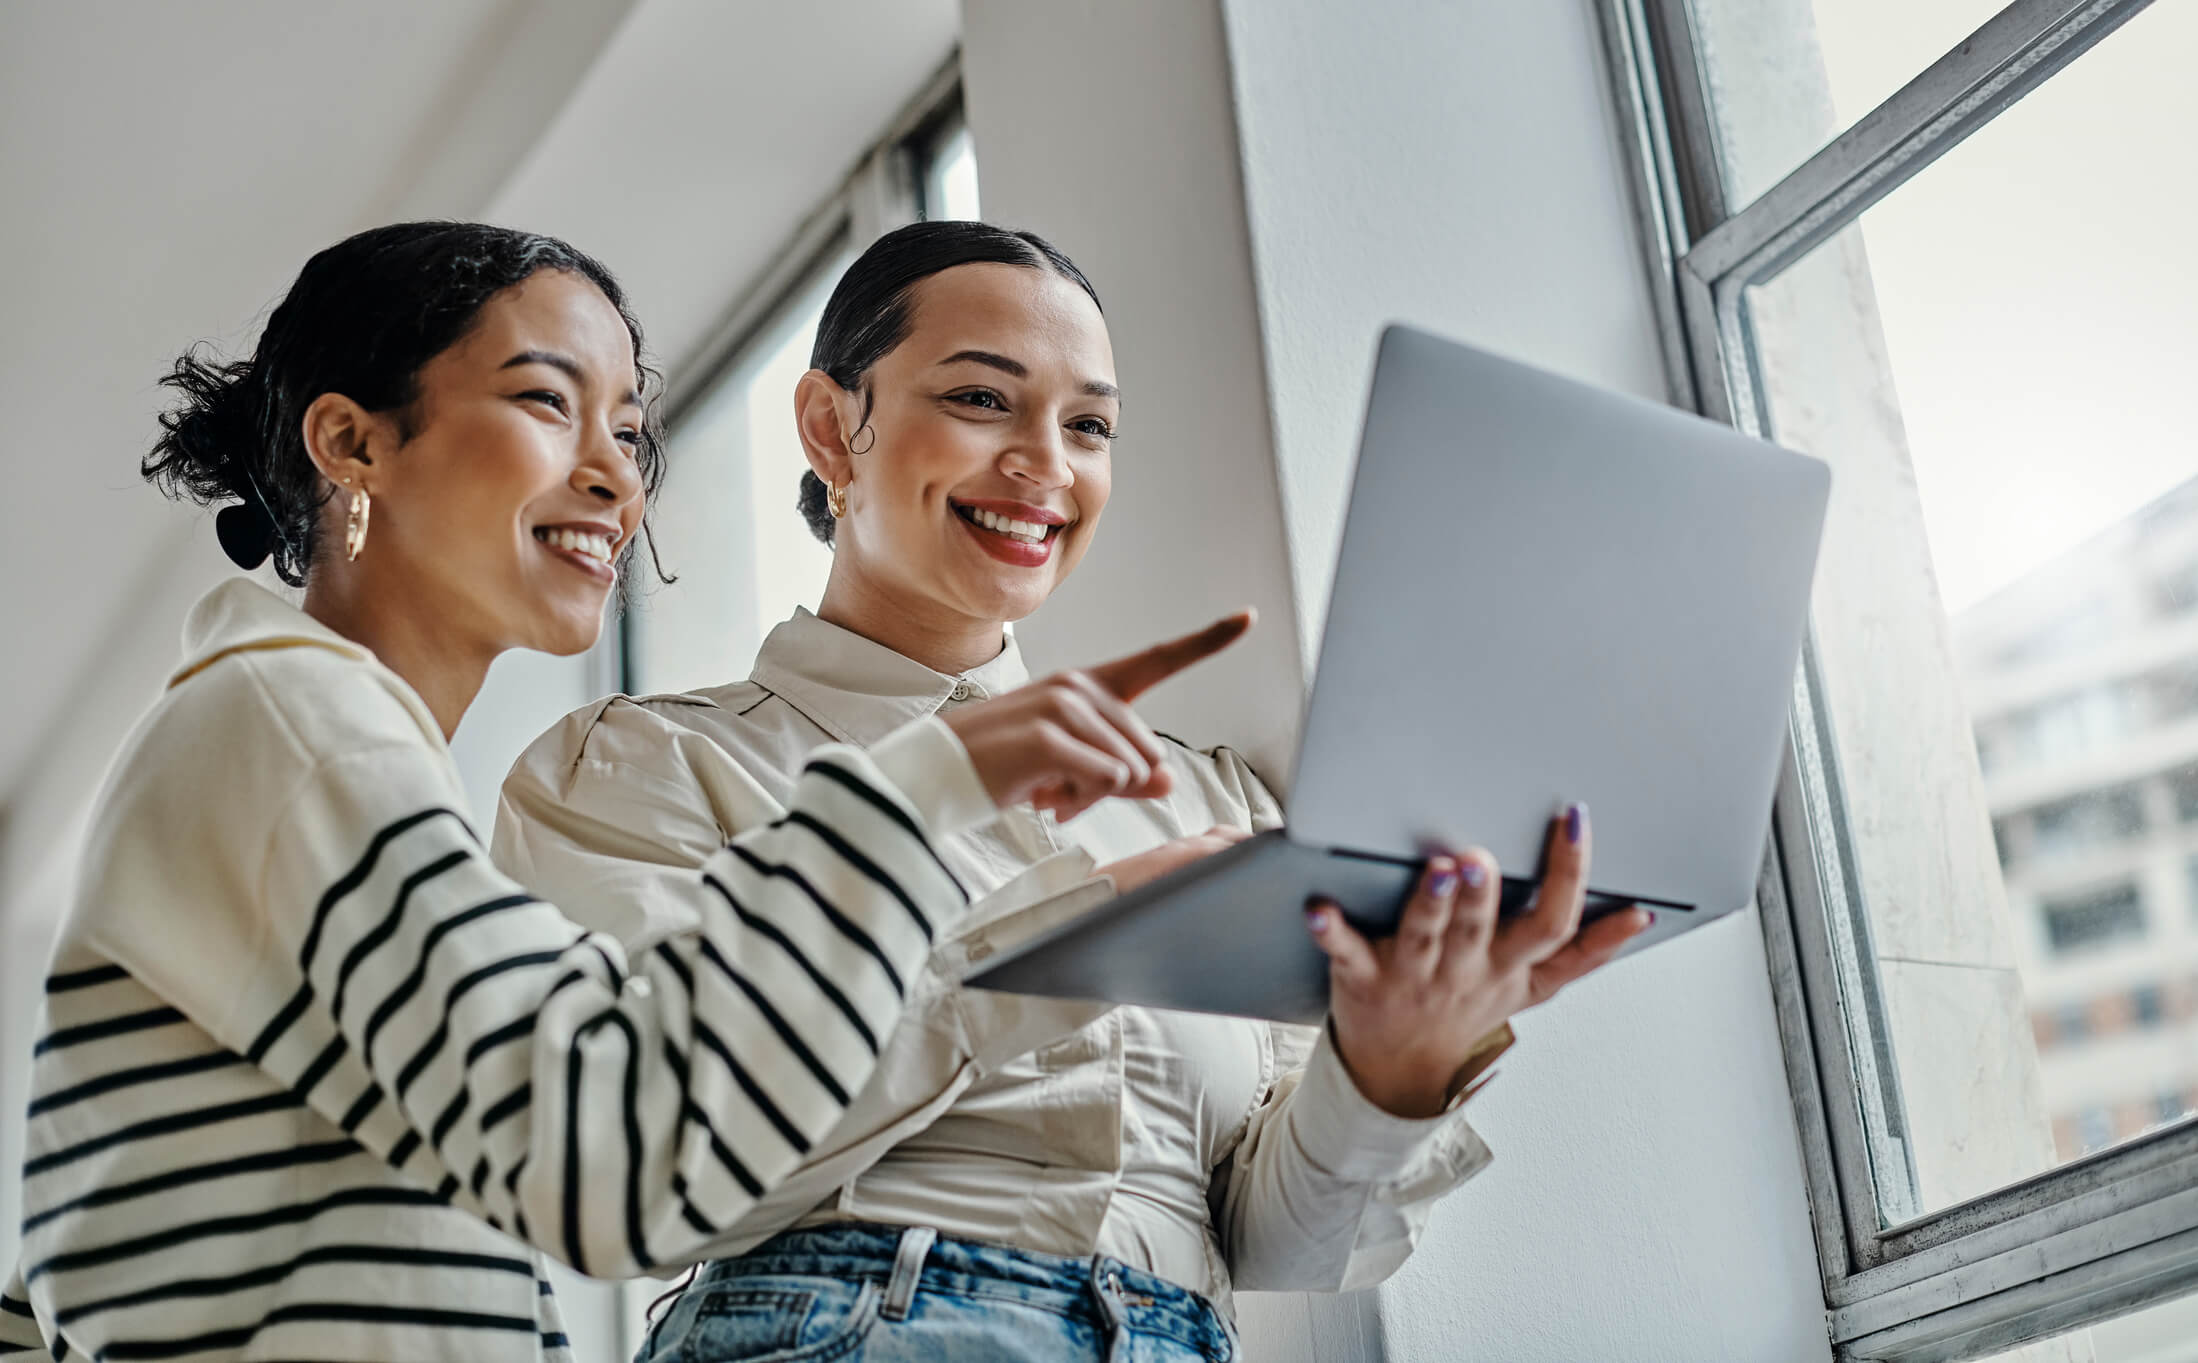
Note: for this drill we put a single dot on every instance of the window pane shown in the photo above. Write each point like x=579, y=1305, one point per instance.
x=1995, y=361
x=950, y=180
x=1786, y=76
x=727, y=524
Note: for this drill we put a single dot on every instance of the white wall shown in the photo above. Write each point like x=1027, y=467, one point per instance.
x=1455, y=166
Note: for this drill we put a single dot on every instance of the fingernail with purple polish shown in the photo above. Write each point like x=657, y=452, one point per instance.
x=1575, y=821
x=1316, y=918
x=1476, y=875
x=1442, y=880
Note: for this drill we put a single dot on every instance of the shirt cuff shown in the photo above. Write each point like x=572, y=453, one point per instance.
x=927, y=763
x=1347, y=1135
x=1065, y=870
x=1012, y=929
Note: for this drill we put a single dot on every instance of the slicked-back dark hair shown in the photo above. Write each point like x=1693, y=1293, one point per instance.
x=872, y=307
x=364, y=317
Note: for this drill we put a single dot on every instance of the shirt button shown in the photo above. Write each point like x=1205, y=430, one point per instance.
x=967, y=691
x=979, y=949
x=639, y=986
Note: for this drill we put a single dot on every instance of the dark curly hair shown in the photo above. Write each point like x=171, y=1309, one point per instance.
x=363, y=318
x=871, y=307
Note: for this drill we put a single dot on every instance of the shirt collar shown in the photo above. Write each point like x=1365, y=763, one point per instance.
x=859, y=690
x=241, y=616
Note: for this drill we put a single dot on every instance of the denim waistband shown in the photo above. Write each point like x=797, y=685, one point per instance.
x=852, y=1250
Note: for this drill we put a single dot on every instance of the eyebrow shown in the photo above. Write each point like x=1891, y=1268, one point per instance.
x=566, y=365
x=1016, y=368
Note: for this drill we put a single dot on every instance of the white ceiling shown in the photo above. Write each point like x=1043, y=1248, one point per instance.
x=710, y=131
x=165, y=169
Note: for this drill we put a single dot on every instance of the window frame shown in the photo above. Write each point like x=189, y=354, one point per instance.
x=885, y=190
x=2078, y=1243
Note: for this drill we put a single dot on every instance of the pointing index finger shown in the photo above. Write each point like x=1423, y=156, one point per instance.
x=1132, y=676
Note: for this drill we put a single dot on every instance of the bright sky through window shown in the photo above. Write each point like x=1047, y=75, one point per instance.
x=2039, y=290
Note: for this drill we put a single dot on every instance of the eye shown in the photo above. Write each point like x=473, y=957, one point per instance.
x=549, y=398
x=1092, y=426
x=983, y=398
x=631, y=440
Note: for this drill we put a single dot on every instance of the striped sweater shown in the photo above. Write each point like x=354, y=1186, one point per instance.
x=315, y=1081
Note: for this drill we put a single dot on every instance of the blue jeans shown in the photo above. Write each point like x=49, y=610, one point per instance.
x=860, y=1293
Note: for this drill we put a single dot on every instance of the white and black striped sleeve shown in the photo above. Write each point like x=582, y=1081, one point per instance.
x=19, y=1333
x=616, y=1113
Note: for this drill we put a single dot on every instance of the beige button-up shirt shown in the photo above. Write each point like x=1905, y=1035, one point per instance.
x=1216, y=1152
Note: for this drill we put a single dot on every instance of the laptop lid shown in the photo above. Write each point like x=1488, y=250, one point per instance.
x=1550, y=592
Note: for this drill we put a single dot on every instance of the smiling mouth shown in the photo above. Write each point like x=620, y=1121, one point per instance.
x=586, y=544
x=1026, y=532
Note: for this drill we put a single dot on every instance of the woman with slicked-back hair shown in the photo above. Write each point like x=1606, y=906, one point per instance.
x=313, y=1079
x=1031, y=1179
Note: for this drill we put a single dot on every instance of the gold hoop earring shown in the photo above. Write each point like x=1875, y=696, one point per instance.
x=866, y=426
x=835, y=499
x=354, y=528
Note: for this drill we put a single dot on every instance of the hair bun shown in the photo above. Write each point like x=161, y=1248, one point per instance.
x=247, y=534
x=815, y=508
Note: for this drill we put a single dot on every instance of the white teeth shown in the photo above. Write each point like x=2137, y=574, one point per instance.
x=597, y=547
x=1025, y=531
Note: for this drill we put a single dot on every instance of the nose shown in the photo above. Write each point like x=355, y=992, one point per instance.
x=1040, y=459
x=607, y=471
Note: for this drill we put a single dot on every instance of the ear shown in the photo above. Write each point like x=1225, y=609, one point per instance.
x=342, y=438
x=826, y=415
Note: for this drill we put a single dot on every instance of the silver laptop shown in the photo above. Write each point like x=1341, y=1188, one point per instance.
x=1546, y=592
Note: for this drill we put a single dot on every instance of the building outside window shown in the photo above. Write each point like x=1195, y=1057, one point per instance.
x=2075, y=822
x=2095, y=919
x=2146, y=1003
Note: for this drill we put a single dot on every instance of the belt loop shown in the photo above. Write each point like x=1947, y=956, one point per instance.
x=900, y=1294
x=1106, y=1290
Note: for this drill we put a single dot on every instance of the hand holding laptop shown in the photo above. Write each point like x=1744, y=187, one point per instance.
x=1411, y=1009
